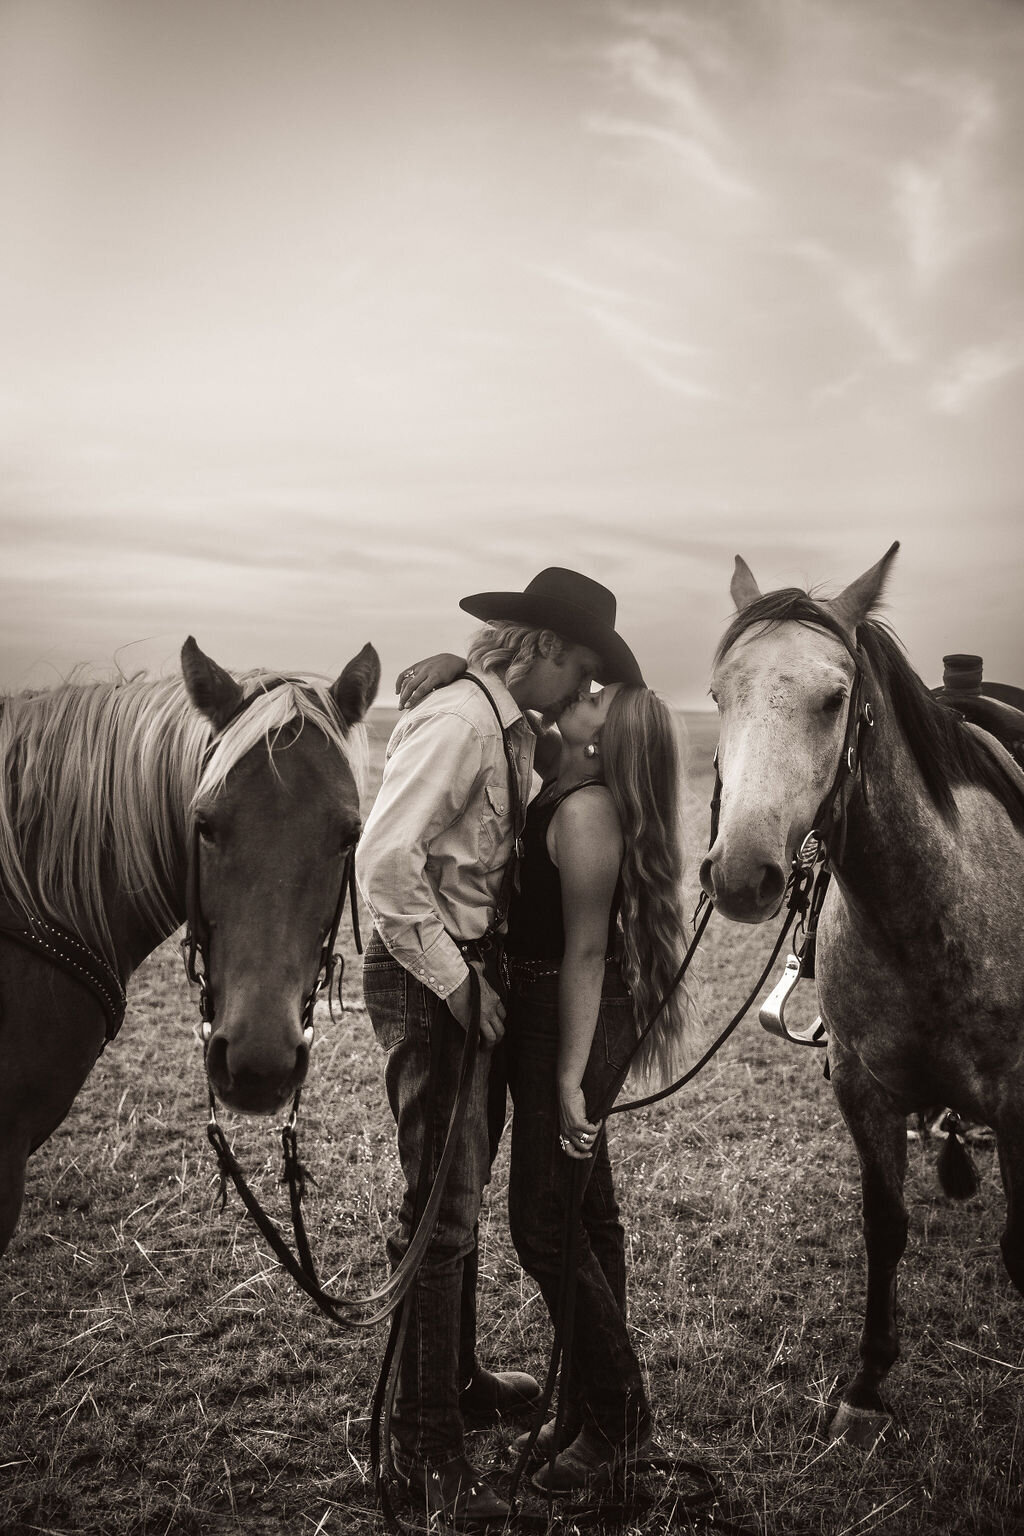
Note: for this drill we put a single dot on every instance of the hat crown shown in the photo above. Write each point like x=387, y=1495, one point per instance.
x=561, y=585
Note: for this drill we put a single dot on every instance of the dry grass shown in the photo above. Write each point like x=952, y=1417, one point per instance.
x=159, y=1375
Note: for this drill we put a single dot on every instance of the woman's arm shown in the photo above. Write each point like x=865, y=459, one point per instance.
x=586, y=844
x=414, y=682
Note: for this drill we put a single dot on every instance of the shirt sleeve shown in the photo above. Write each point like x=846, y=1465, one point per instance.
x=429, y=780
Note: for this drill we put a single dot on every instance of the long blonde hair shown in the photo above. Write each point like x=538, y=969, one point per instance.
x=642, y=770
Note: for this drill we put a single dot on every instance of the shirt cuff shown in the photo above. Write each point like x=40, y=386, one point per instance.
x=440, y=967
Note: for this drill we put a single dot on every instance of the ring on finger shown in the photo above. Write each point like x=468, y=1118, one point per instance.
x=563, y=1142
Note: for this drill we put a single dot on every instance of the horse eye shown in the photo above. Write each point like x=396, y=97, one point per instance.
x=204, y=829
x=835, y=701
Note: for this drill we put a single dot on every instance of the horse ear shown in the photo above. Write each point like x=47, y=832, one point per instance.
x=856, y=601
x=356, y=688
x=743, y=589
x=213, y=691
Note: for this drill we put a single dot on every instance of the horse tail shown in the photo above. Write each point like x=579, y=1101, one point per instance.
x=957, y=1172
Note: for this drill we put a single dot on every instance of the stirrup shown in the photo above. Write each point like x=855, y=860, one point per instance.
x=772, y=1011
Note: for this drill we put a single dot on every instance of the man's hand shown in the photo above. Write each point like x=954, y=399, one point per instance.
x=492, y=1009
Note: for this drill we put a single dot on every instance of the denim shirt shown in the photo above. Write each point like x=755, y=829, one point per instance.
x=435, y=845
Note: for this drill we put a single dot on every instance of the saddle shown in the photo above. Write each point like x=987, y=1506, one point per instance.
x=997, y=708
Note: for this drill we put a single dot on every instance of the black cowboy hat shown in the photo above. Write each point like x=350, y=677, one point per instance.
x=573, y=606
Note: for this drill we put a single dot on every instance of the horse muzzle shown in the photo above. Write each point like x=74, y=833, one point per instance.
x=746, y=891
x=256, y=1073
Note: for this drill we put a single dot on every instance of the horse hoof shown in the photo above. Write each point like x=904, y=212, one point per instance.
x=862, y=1427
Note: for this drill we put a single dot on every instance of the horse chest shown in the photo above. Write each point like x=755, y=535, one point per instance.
x=919, y=1003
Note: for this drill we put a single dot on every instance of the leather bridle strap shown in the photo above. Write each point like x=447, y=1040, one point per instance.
x=66, y=950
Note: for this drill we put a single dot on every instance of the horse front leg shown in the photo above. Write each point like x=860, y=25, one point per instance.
x=1009, y=1129
x=879, y=1132
x=13, y=1158
x=51, y=1031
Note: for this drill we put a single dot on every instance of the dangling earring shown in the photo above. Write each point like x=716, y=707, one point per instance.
x=590, y=750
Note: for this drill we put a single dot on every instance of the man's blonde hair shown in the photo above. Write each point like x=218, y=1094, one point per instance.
x=510, y=650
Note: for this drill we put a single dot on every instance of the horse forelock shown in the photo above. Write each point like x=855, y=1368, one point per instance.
x=790, y=605
x=99, y=778
x=273, y=703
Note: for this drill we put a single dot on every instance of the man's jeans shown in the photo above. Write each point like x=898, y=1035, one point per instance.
x=606, y=1389
x=439, y=1354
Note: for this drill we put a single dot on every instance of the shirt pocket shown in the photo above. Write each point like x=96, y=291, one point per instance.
x=495, y=827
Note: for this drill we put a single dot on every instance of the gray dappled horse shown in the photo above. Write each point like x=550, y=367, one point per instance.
x=920, y=960
x=109, y=793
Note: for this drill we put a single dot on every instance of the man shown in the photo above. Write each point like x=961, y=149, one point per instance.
x=432, y=868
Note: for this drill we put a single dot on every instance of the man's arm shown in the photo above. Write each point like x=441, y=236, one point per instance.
x=428, y=782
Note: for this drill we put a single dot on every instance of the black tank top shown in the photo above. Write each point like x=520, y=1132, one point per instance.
x=535, y=927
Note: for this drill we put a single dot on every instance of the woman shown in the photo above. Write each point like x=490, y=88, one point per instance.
x=595, y=937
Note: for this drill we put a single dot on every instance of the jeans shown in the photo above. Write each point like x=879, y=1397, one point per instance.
x=439, y=1356
x=606, y=1388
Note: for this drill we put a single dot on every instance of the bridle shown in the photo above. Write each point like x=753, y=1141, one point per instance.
x=826, y=839
x=197, y=934
x=195, y=943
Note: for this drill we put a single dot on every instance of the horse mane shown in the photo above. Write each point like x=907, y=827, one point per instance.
x=98, y=779
x=946, y=753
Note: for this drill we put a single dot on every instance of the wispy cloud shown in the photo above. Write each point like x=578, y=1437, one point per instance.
x=933, y=190
x=694, y=156
x=649, y=351
x=971, y=373
x=860, y=291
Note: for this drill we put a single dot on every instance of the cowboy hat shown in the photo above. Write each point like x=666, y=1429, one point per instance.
x=573, y=606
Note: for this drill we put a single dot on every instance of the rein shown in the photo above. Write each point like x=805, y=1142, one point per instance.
x=368, y=1309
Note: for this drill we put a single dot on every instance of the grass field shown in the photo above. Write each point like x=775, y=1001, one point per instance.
x=158, y=1374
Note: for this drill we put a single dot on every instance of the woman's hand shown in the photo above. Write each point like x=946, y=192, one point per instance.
x=578, y=1137
x=415, y=682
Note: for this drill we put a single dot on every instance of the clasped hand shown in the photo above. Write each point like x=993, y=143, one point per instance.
x=578, y=1135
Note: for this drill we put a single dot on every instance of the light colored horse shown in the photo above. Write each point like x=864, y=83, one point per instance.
x=920, y=960
x=105, y=790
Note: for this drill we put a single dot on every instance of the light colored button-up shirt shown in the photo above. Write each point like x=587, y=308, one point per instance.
x=434, y=848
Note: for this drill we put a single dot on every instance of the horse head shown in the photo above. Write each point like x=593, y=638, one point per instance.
x=276, y=817
x=782, y=680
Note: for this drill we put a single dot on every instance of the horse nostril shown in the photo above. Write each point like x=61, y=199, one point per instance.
x=217, y=1060
x=707, y=879
x=302, y=1062
x=773, y=884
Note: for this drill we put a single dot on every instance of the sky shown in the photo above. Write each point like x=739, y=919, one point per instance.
x=317, y=315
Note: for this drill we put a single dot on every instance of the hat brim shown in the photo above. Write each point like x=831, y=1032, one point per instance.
x=617, y=662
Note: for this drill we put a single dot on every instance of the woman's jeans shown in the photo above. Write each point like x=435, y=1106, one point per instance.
x=439, y=1354
x=606, y=1389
